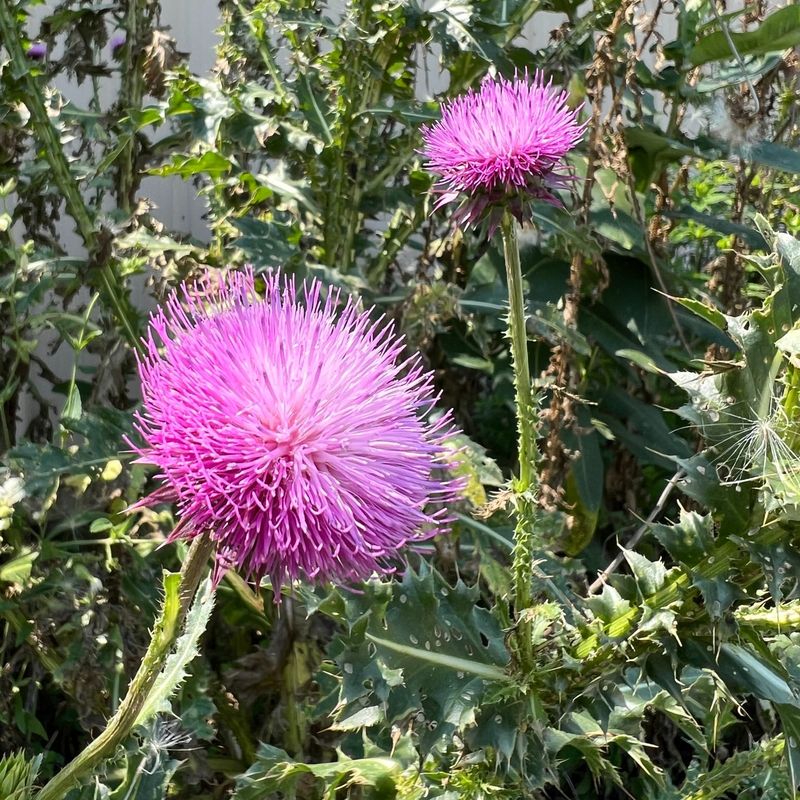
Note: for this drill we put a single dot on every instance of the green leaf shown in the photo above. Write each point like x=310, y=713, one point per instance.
x=425, y=648
x=790, y=721
x=99, y=437
x=650, y=575
x=587, y=469
x=779, y=31
x=210, y=163
x=147, y=774
x=267, y=243
x=772, y=154
x=185, y=651
x=751, y=238
x=299, y=191
x=689, y=540
x=790, y=343
x=708, y=313
x=17, y=776
x=744, y=668
x=18, y=569
x=609, y=605
x=273, y=771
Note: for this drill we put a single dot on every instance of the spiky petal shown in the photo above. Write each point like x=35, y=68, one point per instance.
x=501, y=147
x=296, y=436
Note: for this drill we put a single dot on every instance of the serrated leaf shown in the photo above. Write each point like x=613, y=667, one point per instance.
x=609, y=604
x=440, y=648
x=649, y=575
x=690, y=539
x=186, y=649
x=363, y=718
x=274, y=771
x=706, y=312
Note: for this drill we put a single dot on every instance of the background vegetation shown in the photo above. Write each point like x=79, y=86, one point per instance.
x=669, y=425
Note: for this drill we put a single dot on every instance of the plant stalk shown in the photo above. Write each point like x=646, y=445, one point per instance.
x=167, y=628
x=131, y=95
x=526, y=485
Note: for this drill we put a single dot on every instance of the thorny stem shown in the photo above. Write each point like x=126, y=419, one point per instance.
x=132, y=92
x=12, y=39
x=166, y=630
x=525, y=487
x=295, y=734
x=257, y=30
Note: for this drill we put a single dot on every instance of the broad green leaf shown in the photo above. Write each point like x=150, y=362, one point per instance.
x=18, y=568
x=747, y=670
x=772, y=154
x=779, y=31
x=426, y=649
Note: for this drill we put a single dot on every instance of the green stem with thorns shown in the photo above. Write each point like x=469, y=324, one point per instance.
x=525, y=486
x=166, y=630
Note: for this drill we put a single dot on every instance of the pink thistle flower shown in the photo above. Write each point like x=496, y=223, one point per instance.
x=502, y=147
x=298, y=437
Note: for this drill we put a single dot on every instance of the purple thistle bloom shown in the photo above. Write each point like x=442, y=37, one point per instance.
x=295, y=435
x=502, y=146
x=117, y=41
x=37, y=51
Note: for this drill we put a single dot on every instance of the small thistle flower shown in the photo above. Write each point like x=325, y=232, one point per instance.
x=116, y=44
x=502, y=147
x=37, y=51
x=296, y=436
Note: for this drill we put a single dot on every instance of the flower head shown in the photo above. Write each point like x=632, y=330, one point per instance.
x=502, y=146
x=117, y=42
x=295, y=435
x=37, y=51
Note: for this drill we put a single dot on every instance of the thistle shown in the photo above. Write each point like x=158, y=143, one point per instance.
x=497, y=150
x=502, y=147
x=295, y=434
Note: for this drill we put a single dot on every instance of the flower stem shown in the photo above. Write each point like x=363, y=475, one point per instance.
x=525, y=486
x=165, y=633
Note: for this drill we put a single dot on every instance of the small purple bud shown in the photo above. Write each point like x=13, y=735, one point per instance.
x=37, y=51
x=117, y=42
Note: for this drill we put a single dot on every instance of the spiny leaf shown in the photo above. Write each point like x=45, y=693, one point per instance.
x=426, y=649
x=186, y=649
x=275, y=771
